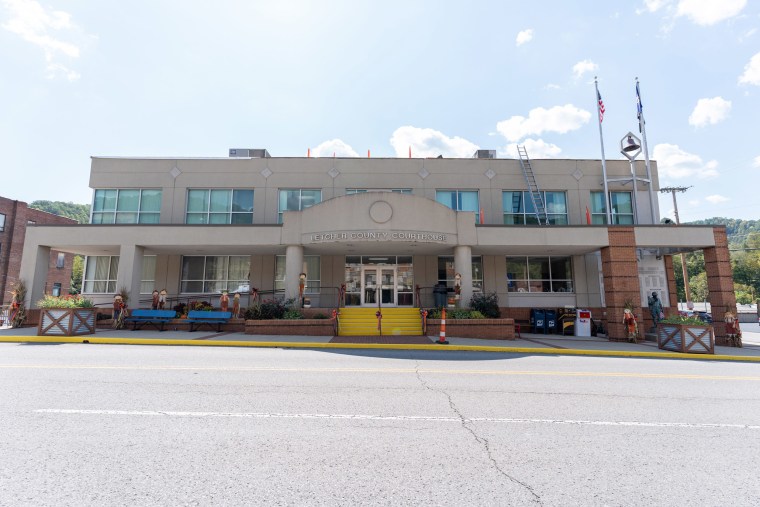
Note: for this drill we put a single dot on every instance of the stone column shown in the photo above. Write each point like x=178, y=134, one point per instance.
x=34, y=271
x=463, y=266
x=720, y=283
x=293, y=268
x=130, y=272
x=621, y=281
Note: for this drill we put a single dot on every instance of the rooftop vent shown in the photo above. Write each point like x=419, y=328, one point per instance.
x=485, y=154
x=249, y=153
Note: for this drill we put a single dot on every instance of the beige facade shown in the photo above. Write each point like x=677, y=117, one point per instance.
x=375, y=220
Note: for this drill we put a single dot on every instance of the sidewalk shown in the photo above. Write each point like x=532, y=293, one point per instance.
x=528, y=344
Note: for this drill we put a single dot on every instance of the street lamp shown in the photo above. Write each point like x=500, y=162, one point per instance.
x=630, y=147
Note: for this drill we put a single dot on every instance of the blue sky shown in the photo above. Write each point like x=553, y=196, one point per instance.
x=192, y=78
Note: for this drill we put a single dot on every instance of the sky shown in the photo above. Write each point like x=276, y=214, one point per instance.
x=194, y=79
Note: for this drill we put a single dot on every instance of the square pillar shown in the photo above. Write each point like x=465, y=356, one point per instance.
x=621, y=281
x=34, y=272
x=130, y=272
x=720, y=283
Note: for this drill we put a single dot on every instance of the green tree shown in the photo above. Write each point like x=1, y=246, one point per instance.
x=78, y=212
x=698, y=287
x=77, y=271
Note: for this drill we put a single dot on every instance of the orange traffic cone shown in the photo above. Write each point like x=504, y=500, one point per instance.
x=442, y=337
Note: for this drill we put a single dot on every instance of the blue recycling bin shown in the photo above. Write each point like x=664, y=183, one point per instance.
x=550, y=320
x=538, y=317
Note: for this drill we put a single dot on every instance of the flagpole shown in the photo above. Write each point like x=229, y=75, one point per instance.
x=643, y=130
x=604, y=164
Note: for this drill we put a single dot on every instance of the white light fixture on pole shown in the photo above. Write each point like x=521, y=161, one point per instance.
x=630, y=147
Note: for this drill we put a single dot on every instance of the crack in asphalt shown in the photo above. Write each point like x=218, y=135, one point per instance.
x=480, y=440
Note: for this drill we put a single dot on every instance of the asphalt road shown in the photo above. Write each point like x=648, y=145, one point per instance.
x=131, y=425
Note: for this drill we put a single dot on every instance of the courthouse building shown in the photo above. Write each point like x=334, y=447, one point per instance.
x=535, y=232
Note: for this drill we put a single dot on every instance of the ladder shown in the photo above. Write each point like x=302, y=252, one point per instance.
x=533, y=190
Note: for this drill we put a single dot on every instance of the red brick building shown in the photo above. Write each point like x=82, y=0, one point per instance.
x=15, y=217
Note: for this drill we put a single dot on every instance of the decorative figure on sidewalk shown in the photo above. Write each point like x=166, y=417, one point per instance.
x=154, y=302
x=119, y=312
x=162, y=299
x=733, y=333
x=457, y=285
x=224, y=301
x=655, y=308
x=631, y=327
x=236, y=306
x=301, y=286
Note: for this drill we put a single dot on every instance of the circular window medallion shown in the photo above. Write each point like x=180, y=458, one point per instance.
x=380, y=212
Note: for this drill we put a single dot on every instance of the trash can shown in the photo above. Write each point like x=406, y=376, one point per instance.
x=550, y=320
x=538, y=316
x=583, y=323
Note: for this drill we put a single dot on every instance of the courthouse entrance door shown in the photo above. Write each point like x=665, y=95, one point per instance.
x=378, y=283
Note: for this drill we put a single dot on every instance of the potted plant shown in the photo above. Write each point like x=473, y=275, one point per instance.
x=66, y=316
x=685, y=334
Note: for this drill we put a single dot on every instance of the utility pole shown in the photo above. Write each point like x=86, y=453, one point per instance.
x=674, y=190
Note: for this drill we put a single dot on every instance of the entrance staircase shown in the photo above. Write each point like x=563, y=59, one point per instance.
x=363, y=322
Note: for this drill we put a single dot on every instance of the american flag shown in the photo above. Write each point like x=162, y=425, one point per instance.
x=639, y=107
x=601, y=106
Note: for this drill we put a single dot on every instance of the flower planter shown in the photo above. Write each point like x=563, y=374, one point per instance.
x=66, y=321
x=484, y=329
x=690, y=338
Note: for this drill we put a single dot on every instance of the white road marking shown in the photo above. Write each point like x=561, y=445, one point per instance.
x=369, y=417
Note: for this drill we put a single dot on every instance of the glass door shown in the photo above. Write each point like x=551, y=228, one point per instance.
x=379, y=283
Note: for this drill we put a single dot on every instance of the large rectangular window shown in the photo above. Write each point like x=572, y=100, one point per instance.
x=350, y=191
x=539, y=274
x=460, y=200
x=621, y=208
x=100, y=274
x=219, y=206
x=214, y=273
x=126, y=206
x=148, y=279
x=446, y=272
x=297, y=199
x=2, y=222
x=310, y=266
x=519, y=209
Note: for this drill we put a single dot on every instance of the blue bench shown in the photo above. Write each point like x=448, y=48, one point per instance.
x=199, y=318
x=155, y=318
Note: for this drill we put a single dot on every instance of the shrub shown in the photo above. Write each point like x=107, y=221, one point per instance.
x=319, y=316
x=292, y=314
x=458, y=313
x=64, y=302
x=486, y=304
x=474, y=314
x=267, y=310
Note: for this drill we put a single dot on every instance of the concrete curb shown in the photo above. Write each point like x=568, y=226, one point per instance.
x=374, y=346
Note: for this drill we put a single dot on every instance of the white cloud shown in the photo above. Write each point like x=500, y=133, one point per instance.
x=336, y=147
x=560, y=119
x=524, y=36
x=584, y=66
x=655, y=5
x=756, y=162
x=552, y=86
x=430, y=143
x=675, y=163
x=710, y=111
x=751, y=71
x=536, y=148
x=39, y=26
x=709, y=12
x=716, y=199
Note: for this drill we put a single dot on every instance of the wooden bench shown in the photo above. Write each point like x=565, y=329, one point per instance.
x=155, y=318
x=200, y=317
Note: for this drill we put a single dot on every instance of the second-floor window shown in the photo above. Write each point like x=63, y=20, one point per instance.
x=2, y=222
x=621, y=208
x=519, y=209
x=219, y=206
x=350, y=191
x=460, y=200
x=126, y=206
x=297, y=199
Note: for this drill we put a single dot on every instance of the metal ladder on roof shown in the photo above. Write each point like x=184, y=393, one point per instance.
x=535, y=192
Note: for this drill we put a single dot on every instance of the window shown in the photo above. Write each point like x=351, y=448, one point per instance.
x=350, y=191
x=539, y=274
x=460, y=200
x=310, y=267
x=2, y=222
x=148, y=279
x=297, y=199
x=622, y=208
x=446, y=272
x=219, y=206
x=519, y=209
x=214, y=273
x=126, y=206
x=60, y=260
x=100, y=274
x=56, y=289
